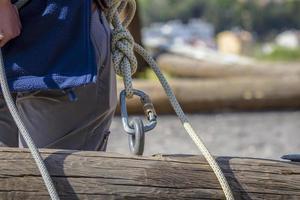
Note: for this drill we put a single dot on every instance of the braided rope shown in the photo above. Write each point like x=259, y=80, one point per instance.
x=125, y=55
x=25, y=133
x=22, y=128
x=20, y=3
x=125, y=65
x=124, y=60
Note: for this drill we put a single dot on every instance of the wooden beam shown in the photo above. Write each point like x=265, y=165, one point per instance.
x=240, y=93
x=181, y=66
x=95, y=175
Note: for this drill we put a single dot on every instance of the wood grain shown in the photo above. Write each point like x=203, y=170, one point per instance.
x=95, y=175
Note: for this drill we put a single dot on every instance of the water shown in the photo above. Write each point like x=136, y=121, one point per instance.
x=257, y=134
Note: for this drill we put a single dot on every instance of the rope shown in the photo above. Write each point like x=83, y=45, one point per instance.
x=124, y=60
x=123, y=47
x=123, y=44
x=23, y=130
x=20, y=3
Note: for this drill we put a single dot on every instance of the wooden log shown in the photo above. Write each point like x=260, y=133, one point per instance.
x=245, y=93
x=95, y=175
x=181, y=66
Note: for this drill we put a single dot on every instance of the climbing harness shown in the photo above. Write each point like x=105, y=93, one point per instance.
x=136, y=127
x=125, y=63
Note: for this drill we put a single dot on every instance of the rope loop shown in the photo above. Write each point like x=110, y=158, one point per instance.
x=125, y=65
x=124, y=60
x=122, y=51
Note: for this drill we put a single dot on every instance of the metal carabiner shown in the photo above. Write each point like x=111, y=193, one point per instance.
x=137, y=141
x=136, y=128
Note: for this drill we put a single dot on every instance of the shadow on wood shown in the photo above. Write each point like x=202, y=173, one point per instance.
x=95, y=175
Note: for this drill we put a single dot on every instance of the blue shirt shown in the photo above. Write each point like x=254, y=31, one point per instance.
x=54, y=50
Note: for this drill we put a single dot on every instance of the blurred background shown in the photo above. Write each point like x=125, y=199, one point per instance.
x=234, y=66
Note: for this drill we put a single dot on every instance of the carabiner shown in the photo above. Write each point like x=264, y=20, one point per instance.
x=136, y=128
x=148, y=110
x=137, y=141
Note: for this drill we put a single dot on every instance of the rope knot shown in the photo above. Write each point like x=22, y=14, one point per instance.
x=124, y=59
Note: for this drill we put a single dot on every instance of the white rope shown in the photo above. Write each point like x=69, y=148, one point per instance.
x=124, y=44
x=20, y=3
x=124, y=60
x=125, y=64
x=23, y=130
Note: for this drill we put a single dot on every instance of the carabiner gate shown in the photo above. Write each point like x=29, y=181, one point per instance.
x=136, y=128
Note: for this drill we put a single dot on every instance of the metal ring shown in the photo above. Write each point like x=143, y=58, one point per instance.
x=152, y=118
x=137, y=141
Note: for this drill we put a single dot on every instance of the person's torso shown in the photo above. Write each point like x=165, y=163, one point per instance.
x=54, y=50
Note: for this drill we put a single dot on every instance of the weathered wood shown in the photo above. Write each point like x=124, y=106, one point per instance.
x=188, y=67
x=244, y=93
x=95, y=175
